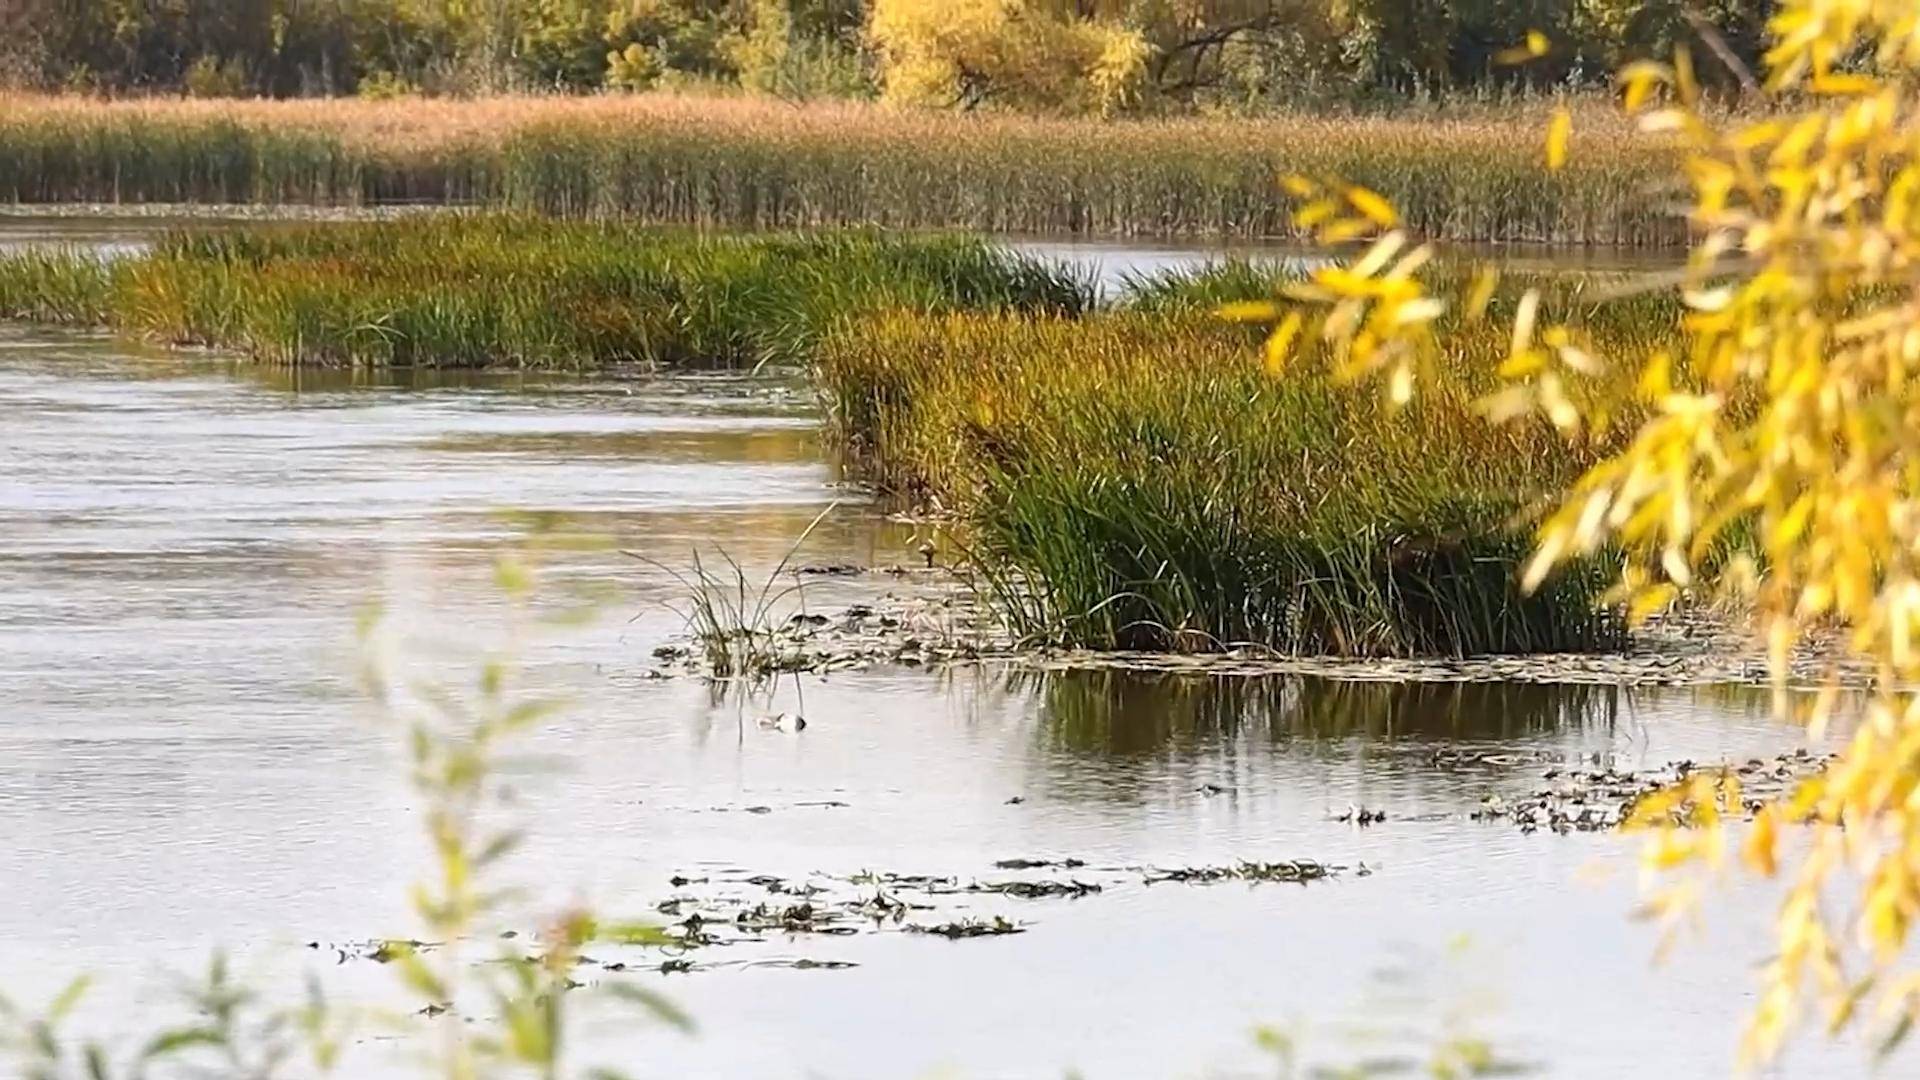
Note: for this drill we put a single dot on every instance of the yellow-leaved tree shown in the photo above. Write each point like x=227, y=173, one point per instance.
x=1038, y=55
x=1773, y=450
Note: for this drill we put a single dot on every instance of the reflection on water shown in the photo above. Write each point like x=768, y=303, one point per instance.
x=1112, y=265
x=1117, y=712
x=183, y=762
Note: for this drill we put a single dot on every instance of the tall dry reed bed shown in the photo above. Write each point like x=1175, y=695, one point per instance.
x=754, y=164
x=1135, y=480
x=475, y=291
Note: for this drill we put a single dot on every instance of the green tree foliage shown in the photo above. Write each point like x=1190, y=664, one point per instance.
x=1052, y=55
x=314, y=47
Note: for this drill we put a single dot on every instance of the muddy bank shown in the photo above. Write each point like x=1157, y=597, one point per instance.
x=938, y=617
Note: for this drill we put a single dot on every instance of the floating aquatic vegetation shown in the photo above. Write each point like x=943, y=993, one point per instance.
x=1038, y=864
x=1582, y=797
x=969, y=928
x=1037, y=890
x=1296, y=871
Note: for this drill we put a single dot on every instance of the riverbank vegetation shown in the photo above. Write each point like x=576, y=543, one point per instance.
x=458, y=291
x=1136, y=480
x=1462, y=173
x=1047, y=55
x=1127, y=477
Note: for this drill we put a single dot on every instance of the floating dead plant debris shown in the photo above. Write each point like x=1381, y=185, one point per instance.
x=782, y=887
x=1579, y=798
x=1465, y=759
x=801, y=918
x=728, y=918
x=881, y=907
x=378, y=950
x=969, y=928
x=1036, y=890
x=913, y=629
x=1301, y=872
x=927, y=882
x=1361, y=816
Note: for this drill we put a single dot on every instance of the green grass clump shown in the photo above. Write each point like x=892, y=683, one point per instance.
x=55, y=287
x=1136, y=481
x=474, y=291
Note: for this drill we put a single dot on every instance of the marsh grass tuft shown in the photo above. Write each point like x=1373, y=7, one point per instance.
x=1134, y=480
x=491, y=290
x=736, y=622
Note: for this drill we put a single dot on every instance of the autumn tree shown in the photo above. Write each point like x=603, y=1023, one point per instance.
x=1028, y=54
x=1769, y=454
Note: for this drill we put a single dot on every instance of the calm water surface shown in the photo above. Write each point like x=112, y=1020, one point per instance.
x=185, y=764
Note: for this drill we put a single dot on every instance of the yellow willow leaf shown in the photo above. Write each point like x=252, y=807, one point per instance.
x=1534, y=46
x=1806, y=798
x=1792, y=148
x=1377, y=256
x=1413, y=312
x=1523, y=319
x=1485, y=281
x=1375, y=208
x=1579, y=359
x=1593, y=515
x=1315, y=212
x=1842, y=1010
x=1670, y=849
x=1400, y=387
x=1882, y=924
x=1684, y=82
x=1249, y=311
x=1754, y=136
x=1708, y=300
x=1410, y=263
x=1299, y=187
x=1559, y=131
x=1651, y=809
x=1508, y=404
x=1674, y=562
x=1280, y=343
x=1730, y=789
x=1559, y=410
x=1640, y=79
x=1522, y=365
x=1344, y=230
x=1793, y=523
x=1661, y=121
x=1650, y=602
x=1844, y=85
x=1545, y=557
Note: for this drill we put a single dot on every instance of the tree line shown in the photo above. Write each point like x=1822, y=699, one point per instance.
x=1048, y=55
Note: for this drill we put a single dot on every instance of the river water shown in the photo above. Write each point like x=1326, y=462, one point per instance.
x=186, y=764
